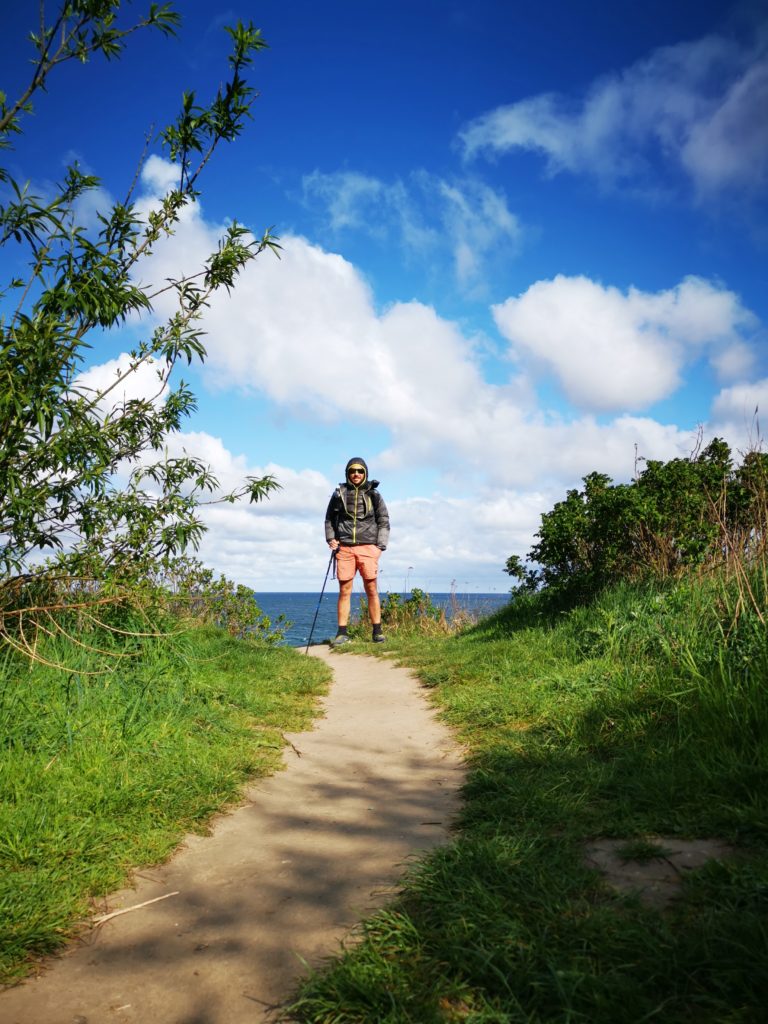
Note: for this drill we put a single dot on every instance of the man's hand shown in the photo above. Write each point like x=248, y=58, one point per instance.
x=333, y=544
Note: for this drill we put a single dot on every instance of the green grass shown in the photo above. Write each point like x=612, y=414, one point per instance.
x=645, y=714
x=643, y=850
x=100, y=774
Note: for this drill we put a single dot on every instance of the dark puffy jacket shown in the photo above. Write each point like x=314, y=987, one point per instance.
x=357, y=515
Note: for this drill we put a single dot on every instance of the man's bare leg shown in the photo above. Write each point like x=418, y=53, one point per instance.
x=374, y=604
x=345, y=598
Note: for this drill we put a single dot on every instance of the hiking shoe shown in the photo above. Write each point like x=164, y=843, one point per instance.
x=378, y=638
x=339, y=639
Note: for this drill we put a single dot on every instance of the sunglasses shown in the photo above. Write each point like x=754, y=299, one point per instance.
x=357, y=472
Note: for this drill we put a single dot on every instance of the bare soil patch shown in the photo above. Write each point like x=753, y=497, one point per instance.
x=655, y=880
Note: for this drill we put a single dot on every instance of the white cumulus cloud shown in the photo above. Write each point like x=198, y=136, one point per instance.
x=305, y=333
x=159, y=175
x=612, y=350
x=739, y=413
x=118, y=382
x=698, y=106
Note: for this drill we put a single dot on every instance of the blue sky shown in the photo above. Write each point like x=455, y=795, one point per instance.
x=521, y=242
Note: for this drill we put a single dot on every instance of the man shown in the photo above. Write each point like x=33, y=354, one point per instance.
x=357, y=527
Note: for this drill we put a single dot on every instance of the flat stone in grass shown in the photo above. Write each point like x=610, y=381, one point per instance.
x=654, y=879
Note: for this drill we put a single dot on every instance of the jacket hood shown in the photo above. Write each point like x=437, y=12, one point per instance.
x=357, y=462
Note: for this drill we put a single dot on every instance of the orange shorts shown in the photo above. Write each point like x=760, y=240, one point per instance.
x=362, y=558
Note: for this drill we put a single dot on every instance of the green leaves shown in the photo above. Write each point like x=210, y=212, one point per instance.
x=84, y=470
x=80, y=29
x=675, y=515
x=186, y=585
x=246, y=41
x=259, y=488
x=198, y=130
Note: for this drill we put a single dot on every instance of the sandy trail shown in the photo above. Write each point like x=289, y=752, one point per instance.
x=281, y=879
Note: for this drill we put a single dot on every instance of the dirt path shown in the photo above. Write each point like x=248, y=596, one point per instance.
x=281, y=880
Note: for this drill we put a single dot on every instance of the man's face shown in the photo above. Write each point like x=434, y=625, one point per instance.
x=356, y=475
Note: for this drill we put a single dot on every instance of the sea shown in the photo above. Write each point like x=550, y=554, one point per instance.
x=300, y=610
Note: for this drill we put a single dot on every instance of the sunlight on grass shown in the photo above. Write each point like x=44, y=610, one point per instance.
x=102, y=775
x=642, y=714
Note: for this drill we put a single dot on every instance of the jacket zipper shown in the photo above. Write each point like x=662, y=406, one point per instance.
x=368, y=508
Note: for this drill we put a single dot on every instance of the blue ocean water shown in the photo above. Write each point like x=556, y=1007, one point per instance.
x=300, y=610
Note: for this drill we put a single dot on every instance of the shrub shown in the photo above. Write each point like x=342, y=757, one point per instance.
x=692, y=513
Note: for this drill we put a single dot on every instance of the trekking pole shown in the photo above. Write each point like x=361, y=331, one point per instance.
x=312, y=630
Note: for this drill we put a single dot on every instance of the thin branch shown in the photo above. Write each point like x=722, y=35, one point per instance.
x=28, y=653
x=139, y=166
x=45, y=63
x=64, y=607
x=38, y=78
x=129, y=910
x=130, y=632
x=86, y=647
x=36, y=271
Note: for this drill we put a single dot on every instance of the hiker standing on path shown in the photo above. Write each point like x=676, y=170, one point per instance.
x=357, y=528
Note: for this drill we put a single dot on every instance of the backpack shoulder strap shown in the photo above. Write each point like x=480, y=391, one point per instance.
x=375, y=497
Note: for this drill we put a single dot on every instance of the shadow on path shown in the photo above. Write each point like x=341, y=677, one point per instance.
x=279, y=881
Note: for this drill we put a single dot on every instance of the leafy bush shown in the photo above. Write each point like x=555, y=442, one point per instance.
x=413, y=612
x=686, y=513
x=190, y=589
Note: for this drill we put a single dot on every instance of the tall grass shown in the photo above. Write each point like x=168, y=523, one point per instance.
x=103, y=772
x=642, y=715
x=414, y=614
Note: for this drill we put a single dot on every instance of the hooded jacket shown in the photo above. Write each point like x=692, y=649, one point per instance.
x=357, y=514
